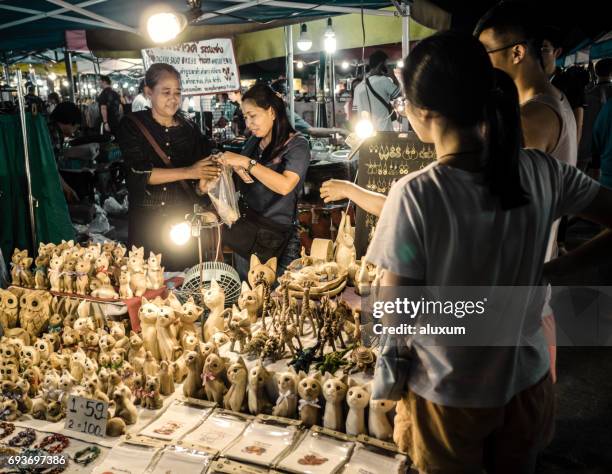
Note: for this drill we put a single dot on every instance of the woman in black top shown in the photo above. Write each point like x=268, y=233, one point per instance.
x=277, y=157
x=157, y=198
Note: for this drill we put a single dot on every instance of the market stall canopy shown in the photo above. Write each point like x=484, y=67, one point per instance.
x=116, y=25
x=109, y=66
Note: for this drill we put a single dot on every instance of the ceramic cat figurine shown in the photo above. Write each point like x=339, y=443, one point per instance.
x=334, y=392
x=286, y=404
x=357, y=398
x=211, y=376
x=148, y=314
x=169, y=348
x=378, y=423
x=309, y=389
x=237, y=376
x=188, y=315
x=214, y=299
x=155, y=272
x=251, y=300
x=257, y=398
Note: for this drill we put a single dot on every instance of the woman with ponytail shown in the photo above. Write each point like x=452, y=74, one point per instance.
x=480, y=216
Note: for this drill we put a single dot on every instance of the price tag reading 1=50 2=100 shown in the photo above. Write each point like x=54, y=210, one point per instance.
x=87, y=416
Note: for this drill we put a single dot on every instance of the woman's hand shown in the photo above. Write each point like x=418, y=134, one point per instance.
x=205, y=184
x=234, y=160
x=207, y=169
x=334, y=190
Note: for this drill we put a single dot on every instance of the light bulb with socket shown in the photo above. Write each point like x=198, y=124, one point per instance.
x=165, y=26
x=304, y=43
x=329, y=40
x=300, y=65
x=345, y=65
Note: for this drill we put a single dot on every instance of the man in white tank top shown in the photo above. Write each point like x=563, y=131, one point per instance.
x=514, y=45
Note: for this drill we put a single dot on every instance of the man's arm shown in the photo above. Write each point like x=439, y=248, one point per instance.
x=579, y=116
x=541, y=127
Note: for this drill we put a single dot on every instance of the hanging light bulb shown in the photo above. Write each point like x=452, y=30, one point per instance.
x=53, y=76
x=329, y=40
x=304, y=43
x=400, y=63
x=125, y=85
x=131, y=89
x=300, y=65
x=115, y=86
x=65, y=83
x=165, y=26
x=345, y=65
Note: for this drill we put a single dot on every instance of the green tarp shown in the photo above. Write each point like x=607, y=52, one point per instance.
x=52, y=217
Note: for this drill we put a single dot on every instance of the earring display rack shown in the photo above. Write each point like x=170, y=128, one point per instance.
x=384, y=159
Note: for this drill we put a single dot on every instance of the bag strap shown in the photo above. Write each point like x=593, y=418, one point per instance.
x=190, y=192
x=380, y=99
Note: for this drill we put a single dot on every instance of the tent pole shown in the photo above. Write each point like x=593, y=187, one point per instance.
x=68, y=62
x=26, y=154
x=406, y=33
x=289, y=42
x=332, y=78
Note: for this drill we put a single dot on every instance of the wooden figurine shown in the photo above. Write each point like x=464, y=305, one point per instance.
x=188, y=315
x=148, y=314
x=238, y=328
x=357, y=398
x=125, y=290
x=258, y=401
x=55, y=272
x=166, y=379
x=334, y=392
x=214, y=299
x=41, y=281
x=251, y=300
x=345, y=253
x=378, y=422
x=150, y=365
x=68, y=275
x=9, y=309
x=256, y=268
x=66, y=386
x=152, y=399
x=124, y=407
x=35, y=313
x=309, y=389
x=155, y=272
x=286, y=403
x=169, y=348
x=20, y=271
x=237, y=375
x=136, y=352
x=82, y=270
x=192, y=387
x=136, y=266
x=214, y=387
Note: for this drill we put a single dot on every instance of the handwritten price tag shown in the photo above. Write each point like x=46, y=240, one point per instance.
x=86, y=416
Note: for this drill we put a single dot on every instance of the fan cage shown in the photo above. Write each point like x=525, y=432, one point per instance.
x=224, y=274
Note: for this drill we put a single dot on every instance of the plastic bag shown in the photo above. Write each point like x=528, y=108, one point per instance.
x=223, y=196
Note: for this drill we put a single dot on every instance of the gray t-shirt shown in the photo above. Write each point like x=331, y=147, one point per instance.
x=364, y=100
x=295, y=157
x=441, y=226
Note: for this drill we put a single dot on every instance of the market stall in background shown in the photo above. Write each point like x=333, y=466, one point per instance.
x=107, y=361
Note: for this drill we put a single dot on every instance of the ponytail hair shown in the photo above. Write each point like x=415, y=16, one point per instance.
x=504, y=142
x=451, y=73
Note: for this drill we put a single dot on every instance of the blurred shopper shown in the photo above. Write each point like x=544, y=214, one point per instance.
x=602, y=144
x=110, y=106
x=141, y=102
